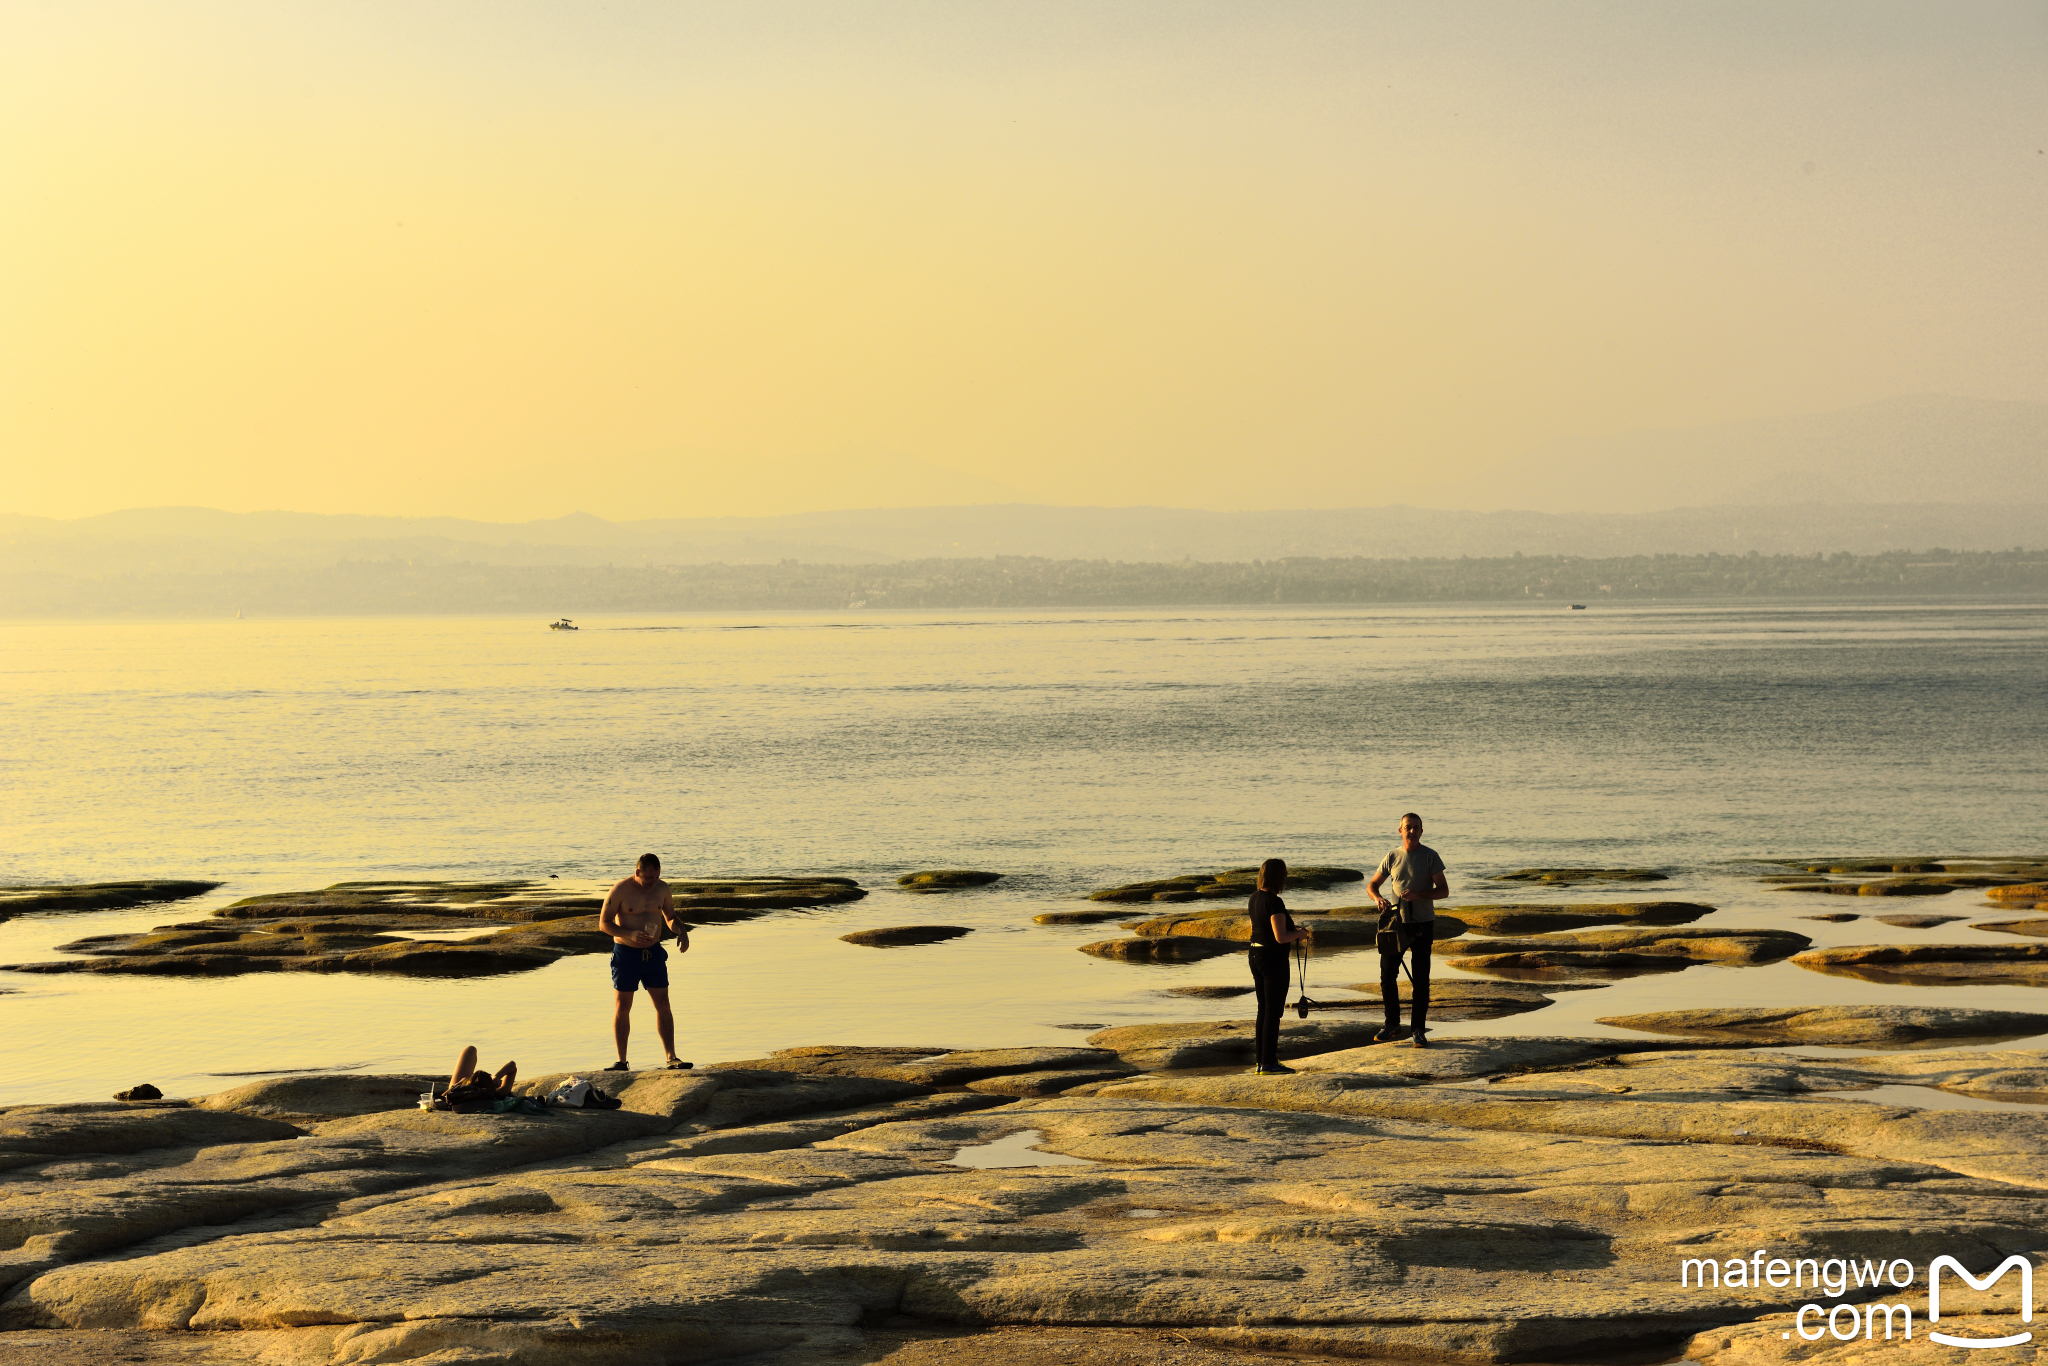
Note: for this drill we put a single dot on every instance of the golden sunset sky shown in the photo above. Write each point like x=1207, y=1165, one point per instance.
x=512, y=260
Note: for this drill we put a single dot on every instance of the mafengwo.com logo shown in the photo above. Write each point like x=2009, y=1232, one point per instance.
x=1835, y=1278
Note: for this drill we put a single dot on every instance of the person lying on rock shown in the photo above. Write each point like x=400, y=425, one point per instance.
x=1273, y=931
x=633, y=915
x=470, y=1091
x=1415, y=875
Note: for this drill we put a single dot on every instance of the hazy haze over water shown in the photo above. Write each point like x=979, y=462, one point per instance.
x=1069, y=750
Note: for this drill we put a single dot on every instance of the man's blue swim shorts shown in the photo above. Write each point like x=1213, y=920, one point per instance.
x=633, y=968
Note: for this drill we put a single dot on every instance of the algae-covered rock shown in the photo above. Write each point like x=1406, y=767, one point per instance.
x=1624, y=950
x=1570, y=876
x=1177, y=948
x=1905, y=920
x=1933, y=964
x=1234, y=882
x=2037, y=927
x=1890, y=1026
x=1525, y=918
x=97, y=896
x=412, y=928
x=1076, y=917
x=1209, y=993
x=945, y=880
x=899, y=936
x=2020, y=891
x=1238, y=928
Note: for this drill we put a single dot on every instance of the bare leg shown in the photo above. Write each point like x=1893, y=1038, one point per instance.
x=464, y=1065
x=664, y=1020
x=622, y=1020
x=502, y=1083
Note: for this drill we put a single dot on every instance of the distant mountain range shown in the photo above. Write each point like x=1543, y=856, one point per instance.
x=1916, y=449
x=156, y=541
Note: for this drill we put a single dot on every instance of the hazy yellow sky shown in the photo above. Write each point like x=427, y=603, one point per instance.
x=509, y=260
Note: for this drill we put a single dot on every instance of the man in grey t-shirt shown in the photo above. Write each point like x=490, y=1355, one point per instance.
x=1414, y=874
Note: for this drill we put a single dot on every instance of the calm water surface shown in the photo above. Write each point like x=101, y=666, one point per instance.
x=1067, y=750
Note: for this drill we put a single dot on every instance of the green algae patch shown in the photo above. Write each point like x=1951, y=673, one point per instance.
x=1569, y=876
x=946, y=880
x=98, y=896
x=1231, y=882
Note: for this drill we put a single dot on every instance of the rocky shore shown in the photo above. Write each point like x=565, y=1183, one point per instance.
x=1516, y=1198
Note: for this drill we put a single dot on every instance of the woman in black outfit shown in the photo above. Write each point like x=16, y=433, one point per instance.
x=1273, y=932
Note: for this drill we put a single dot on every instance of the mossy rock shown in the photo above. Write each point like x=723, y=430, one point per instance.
x=945, y=880
x=900, y=936
x=1905, y=920
x=1076, y=917
x=1527, y=918
x=1238, y=928
x=1231, y=882
x=98, y=896
x=1629, y=950
x=1209, y=993
x=1568, y=876
x=1171, y=949
x=1837, y=917
x=2022, y=891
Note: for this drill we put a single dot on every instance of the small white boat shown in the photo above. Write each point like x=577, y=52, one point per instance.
x=563, y=625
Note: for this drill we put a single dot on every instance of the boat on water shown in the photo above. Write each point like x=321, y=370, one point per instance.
x=562, y=625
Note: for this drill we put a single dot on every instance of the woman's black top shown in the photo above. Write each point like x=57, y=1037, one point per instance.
x=1262, y=908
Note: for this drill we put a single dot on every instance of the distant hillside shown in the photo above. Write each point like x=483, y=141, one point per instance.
x=1923, y=449
x=150, y=542
x=395, y=587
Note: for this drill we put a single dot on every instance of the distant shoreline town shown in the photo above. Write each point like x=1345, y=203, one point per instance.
x=469, y=587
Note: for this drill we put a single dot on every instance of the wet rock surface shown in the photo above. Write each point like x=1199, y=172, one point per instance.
x=1571, y=876
x=2038, y=927
x=1234, y=882
x=21, y=899
x=1172, y=948
x=1523, y=918
x=427, y=929
x=899, y=936
x=1933, y=964
x=1902, y=920
x=945, y=880
x=1623, y=950
x=1077, y=917
x=1496, y=1199
x=1912, y=876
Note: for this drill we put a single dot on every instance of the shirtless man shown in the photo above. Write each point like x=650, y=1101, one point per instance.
x=633, y=916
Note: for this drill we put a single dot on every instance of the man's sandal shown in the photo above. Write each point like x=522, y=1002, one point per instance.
x=619, y=1066
x=677, y=1065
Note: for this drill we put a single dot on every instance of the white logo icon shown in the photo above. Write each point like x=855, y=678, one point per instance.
x=2026, y=1299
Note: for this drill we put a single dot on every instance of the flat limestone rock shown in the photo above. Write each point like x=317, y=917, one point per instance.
x=1904, y=920
x=1842, y=917
x=1176, y=948
x=1622, y=950
x=1050, y=1083
x=1076, y=917
x=312, y=1097
x=97, y=896
x=1237, y=929
x=899, y=936
x=1210, y=1043
x=1211, y=993
x=1933, y=964
x=945, y=880
x=2038, y=927
x=1888, y=1026
x=1525, y=918
x=1234, y=882
x=374, y=927
x=1570, y=876
x=1461, y=1059
x=1774, y=1340
x=1342, y=1213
